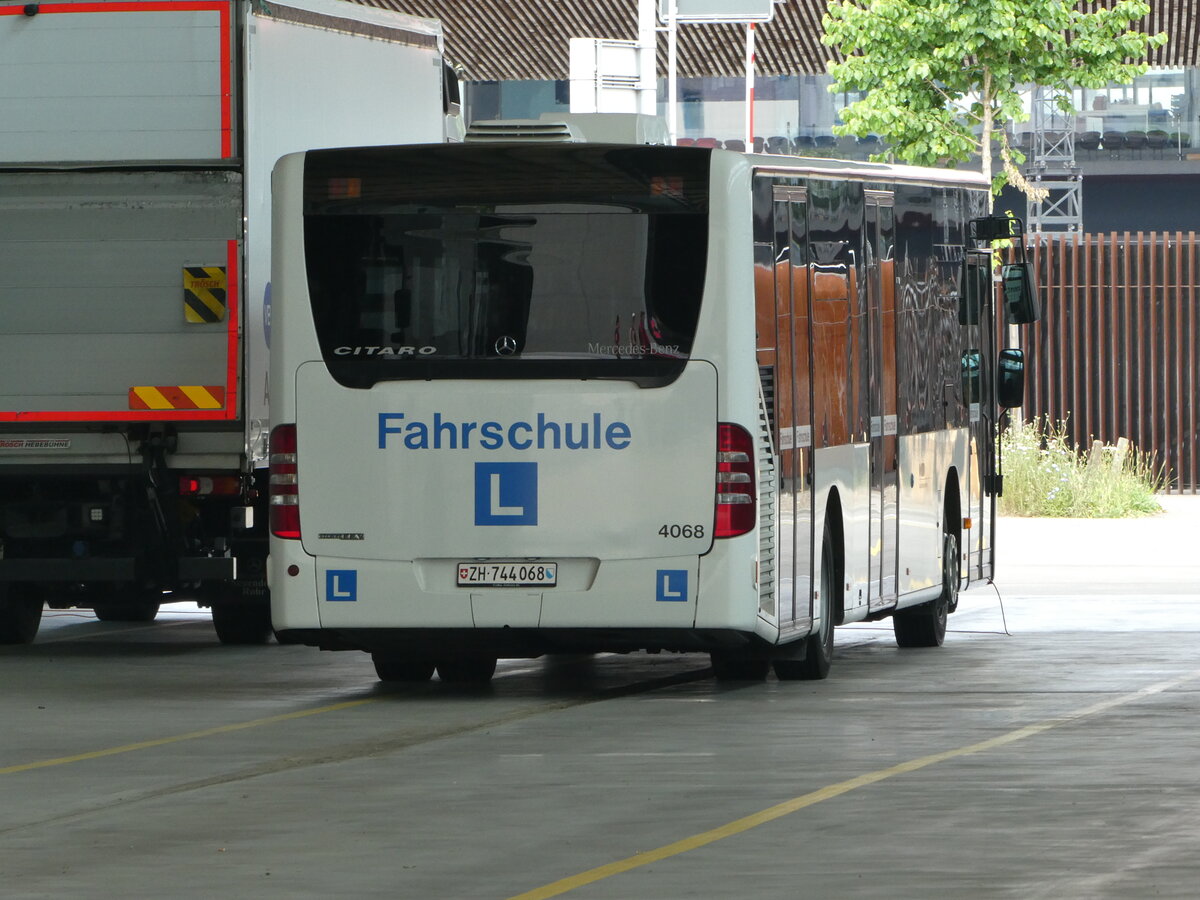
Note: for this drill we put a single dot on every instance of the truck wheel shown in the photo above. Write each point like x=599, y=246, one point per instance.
x=925, y=625
x=242, y=623
x=20, y=613
x=123, y=603
x=412, y=671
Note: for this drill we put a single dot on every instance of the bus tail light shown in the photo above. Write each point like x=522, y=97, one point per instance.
x=737, y=509
x=285, y=489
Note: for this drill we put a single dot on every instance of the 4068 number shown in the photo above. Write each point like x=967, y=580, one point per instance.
x=682, y=531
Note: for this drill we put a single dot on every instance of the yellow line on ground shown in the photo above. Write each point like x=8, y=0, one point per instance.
x=771, y=813
x=190, y=736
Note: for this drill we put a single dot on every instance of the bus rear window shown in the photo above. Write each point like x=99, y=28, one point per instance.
x=525, y=278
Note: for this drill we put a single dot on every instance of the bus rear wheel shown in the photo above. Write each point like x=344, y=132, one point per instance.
x=405, y=670
x=818, y=649
x=242, y=623
x=241, y=611
x=925, y=625
x=467, y=669
x=729, y=667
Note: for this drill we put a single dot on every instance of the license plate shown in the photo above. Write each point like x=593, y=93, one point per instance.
x=507, y=574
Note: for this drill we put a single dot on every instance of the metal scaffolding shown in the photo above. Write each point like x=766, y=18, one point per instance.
x=1051, y=166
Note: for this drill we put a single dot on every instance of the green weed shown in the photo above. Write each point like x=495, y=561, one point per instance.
x=1045, y=475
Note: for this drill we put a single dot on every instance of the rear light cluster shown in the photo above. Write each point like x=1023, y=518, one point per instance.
x=209, y=486
x=285, y=489
x=737, y=509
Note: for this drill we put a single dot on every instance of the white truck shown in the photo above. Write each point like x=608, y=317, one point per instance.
x=137, y=139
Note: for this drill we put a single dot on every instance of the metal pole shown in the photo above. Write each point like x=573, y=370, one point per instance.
x=647, y=64
x=672, y=106
x=750, y=86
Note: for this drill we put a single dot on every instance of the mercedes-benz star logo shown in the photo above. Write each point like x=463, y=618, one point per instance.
x=506, y=345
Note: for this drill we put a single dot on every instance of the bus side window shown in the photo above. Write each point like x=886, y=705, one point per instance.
x=832, y=359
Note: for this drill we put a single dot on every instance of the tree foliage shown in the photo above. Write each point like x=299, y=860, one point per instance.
x=943, y=76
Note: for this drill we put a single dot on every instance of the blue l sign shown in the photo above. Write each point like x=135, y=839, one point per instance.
x=506, y=493
x=671, y=585
x=341, y=585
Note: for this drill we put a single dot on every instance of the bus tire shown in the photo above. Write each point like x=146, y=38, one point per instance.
x=818, y=649
x=242, y=624
x=467, y=669
x=925, y=625
x=731, y=667
x=241, y=610
x=409, y=671
x=20, y=613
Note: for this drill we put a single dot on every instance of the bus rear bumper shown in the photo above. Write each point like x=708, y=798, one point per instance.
x=515, y=643
x=618, y=605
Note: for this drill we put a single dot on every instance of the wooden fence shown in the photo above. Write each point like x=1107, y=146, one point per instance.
x=1115, y=354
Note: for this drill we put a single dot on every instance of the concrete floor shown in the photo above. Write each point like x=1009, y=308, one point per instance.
x=1056, y=760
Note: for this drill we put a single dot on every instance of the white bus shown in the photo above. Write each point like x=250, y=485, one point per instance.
x=583, y=398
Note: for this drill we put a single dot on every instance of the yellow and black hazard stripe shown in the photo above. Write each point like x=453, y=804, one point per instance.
x=204, y=293
x=177, y=396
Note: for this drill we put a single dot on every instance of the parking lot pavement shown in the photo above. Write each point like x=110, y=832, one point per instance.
x=1155, y=554
x=1047, y=751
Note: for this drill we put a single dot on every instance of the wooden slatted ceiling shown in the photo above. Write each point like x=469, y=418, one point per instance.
x=520, y=40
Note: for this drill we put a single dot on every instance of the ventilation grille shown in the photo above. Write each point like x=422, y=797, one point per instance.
x=766, y=381
x=524, y=130
x=766, y=492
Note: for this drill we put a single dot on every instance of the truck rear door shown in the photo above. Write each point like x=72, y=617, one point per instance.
x=120, y=213
x=117, y=82
x=120, y=296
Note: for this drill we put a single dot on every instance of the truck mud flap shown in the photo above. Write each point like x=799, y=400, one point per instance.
x=207, y=568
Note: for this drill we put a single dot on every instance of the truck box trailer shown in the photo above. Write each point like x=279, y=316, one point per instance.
x=137, y=139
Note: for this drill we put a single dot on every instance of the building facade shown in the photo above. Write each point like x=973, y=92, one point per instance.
x=1137, y=146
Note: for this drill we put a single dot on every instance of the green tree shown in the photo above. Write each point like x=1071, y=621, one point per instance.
x=943, y=77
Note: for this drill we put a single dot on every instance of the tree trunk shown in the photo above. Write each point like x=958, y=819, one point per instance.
x=985, y=151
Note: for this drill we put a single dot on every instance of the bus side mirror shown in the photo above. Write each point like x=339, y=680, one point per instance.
x=1021, y=304
x=451, y=91
x=1010, y=379
x=972, y=366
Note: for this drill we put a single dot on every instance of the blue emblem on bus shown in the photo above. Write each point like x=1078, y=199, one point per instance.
x=341, y=585
x=670, y=586
x=506, y=493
